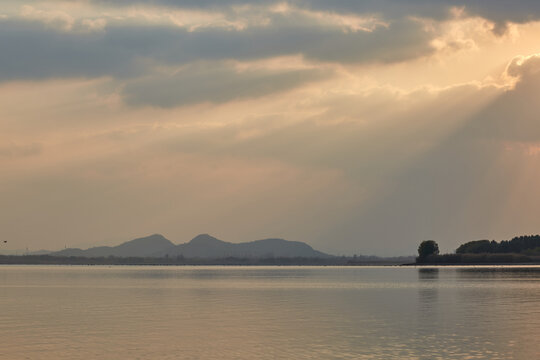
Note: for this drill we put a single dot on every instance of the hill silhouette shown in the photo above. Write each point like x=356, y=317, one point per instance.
x=201, y=246
x=140, y=247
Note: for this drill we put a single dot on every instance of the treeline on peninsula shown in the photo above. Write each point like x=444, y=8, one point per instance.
x=520, y=245
x=520, y=249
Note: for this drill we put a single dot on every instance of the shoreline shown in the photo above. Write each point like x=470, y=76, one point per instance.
x=230, y=261
x=475, y=264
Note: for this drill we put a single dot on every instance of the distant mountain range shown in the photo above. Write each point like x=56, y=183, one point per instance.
x=202, y=246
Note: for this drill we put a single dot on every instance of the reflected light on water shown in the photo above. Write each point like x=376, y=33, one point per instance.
x=57, y=312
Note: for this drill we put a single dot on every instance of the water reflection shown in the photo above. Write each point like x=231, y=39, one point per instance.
x=499, y=272
x=427, y=305
x=269, y=312
x=428, y=291
x=428, y=274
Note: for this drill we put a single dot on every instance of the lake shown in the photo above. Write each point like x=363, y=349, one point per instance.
x=212, y=312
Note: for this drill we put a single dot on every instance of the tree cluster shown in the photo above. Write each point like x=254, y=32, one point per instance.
x=519, y=244
x=427, y=248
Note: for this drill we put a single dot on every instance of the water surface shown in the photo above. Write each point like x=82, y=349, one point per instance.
x=131, y=312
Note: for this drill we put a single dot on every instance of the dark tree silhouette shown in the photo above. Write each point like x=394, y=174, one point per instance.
x=518, y=244
x=426, y=248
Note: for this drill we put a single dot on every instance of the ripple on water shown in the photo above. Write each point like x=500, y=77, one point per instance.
x=269, y=312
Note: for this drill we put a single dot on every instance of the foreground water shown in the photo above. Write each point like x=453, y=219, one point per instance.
x=68, y=312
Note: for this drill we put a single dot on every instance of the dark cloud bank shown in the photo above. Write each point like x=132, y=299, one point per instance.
x=130, y=53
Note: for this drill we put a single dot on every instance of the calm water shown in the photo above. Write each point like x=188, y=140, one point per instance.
x=68, y=312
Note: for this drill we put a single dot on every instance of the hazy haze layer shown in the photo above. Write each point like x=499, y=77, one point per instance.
x=357, y=127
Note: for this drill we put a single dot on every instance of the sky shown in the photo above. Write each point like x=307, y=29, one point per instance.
x=359, y=127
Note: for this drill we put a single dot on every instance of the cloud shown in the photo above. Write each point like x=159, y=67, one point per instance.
x=56, y=19
x=366, y=134
x=13, y=150
x=377, y=158
x=134, y=56
x=432, y=163
x=477, y=181
x=43, y=43
x=524, y=67
x=214, y=82
x=514, y=116
x=31, y=51
x=497, y=11
x=361, y=169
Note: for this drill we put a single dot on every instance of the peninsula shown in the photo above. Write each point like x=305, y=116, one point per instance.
x=518, y=250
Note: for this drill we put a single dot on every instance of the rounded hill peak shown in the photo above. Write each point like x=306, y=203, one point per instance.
x=204, y=239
